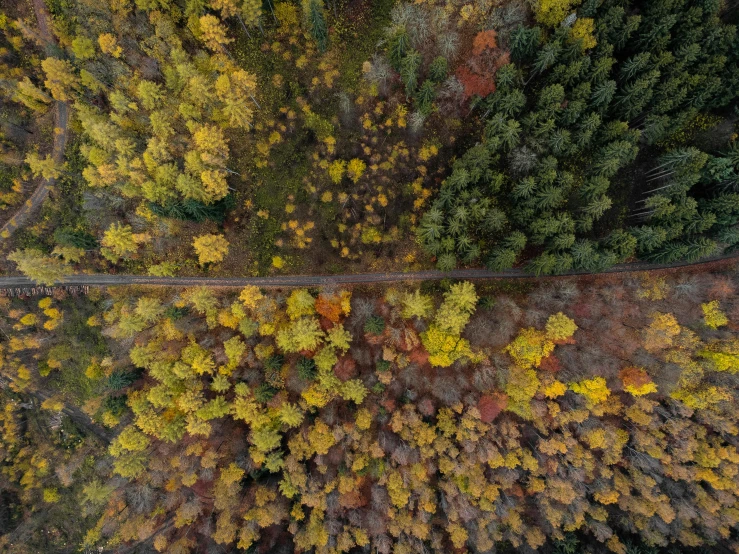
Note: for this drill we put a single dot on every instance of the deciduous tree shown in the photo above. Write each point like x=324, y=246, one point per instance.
x=210, y=248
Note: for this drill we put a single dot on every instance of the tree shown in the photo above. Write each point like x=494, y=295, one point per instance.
x=250, y=296
x=713, y=316
x=291, y=415
x=213, y=34
x=83, y=48
x=300, y=303
x=636, y=381
x=661, y=332
x=444, y=348
x=594, y=390
x=354, y=390
x=315, y=19
x=47, y=167
x=583, y=30
x=306, y=368
x=459, y=304
x=252, y=12
x=40, y=268
x=336, y=171
x=416, y=304
x=233, y=90
x=374, y=325
x=560, y=327
x=355, y=169
x=70, y=254
x=109, y=45
x=530, y=347
x=210, y=248
x=228, y=8
x=150, y=94
x=409, y=71
x=60, y=78
x=119, y=241
x=31, y=96
x=338, y=337
x=302, y=334
x=333, y=306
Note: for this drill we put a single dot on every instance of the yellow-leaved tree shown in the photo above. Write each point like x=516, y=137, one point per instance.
x=210, y=248
x=442, y=339
x=713, y=316
x=119, y=241
x=40, y=268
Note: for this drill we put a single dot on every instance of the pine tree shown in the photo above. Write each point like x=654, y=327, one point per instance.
x=213, y=34
x=46, y=167
x=252, y=13
x=375, y=325
x=31, y=96
x=60, y=78
x=40, y=268
x=120, y=240
x=315, y=18
x=409, y=67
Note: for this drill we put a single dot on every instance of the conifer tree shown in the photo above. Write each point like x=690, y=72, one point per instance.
x=40, y=268
x=315, y=20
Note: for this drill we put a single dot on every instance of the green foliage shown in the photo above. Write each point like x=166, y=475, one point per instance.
x=315, y=19
x=121, y=379
x=306, y=368
x=374, y=325
x=40, y=268
x=193, y=210
x=382, y=366
x=319, y=125
x=302, y=334
x=550, y=150
x=274, y=363
x=264, y=392
x=438, y=69
x=77, y=239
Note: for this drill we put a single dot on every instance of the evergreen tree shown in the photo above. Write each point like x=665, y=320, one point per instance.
x=40, y=268
x=315, y=18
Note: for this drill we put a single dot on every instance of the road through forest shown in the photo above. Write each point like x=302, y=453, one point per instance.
x=282, y=281
x=61, y=120
x=288, y=281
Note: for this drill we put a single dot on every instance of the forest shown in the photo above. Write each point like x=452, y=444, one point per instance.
x=369, y=276
x=573, y=415
x=211, y=137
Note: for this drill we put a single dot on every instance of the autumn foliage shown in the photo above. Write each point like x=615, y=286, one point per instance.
x=477, y=74
x=491, y=405
x=637, y=381
x=269, y=418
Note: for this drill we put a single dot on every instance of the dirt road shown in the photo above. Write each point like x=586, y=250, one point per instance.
x=289, y=281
